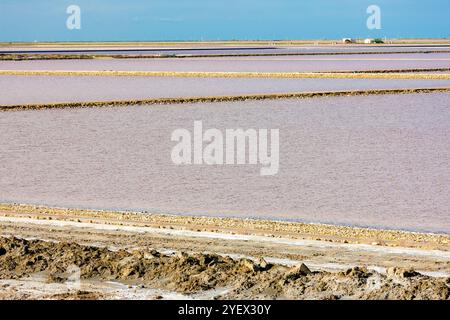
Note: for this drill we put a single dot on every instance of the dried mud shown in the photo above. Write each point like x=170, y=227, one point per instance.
x=193, y=273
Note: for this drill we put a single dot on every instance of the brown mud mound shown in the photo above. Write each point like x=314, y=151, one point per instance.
x=75, y=295
x=194, y=273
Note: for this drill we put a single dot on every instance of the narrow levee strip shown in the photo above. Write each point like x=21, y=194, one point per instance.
x=211, y=99
x=269, y=228
x=233, y=237
x=415, y=70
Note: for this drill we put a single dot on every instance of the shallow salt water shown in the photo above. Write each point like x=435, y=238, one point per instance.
x=49, y=89
x=214, y=50
x=378, y=161
x=250, y=64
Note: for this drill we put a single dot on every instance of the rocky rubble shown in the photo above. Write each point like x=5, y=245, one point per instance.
x=193, y=273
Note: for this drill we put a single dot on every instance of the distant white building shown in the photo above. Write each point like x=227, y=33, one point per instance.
x=369, y=41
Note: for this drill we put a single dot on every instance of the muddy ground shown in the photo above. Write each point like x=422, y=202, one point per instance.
x=71, y=254
x=192, y=273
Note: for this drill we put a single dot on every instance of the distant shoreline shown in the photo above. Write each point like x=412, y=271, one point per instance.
x=406, y=41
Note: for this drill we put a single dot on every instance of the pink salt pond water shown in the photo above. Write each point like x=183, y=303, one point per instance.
x=377, y=161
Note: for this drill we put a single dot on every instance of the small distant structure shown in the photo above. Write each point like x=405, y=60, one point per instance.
x=348, y=40
x=370, y=41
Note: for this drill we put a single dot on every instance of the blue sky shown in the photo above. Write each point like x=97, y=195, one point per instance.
x=110, y=20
